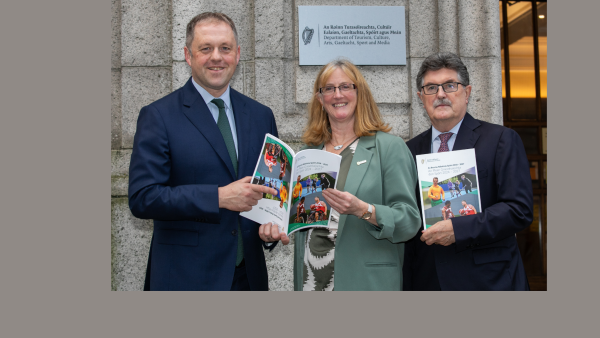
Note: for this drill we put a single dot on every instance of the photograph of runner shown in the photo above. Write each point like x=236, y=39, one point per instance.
x=450, y=186
x=467, y=184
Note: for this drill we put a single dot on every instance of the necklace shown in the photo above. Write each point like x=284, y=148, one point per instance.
x=338, y=147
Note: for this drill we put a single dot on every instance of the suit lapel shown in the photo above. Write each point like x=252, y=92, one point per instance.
x=424, y=146
x=197, y=112
x=356, y=173
x=467, y=136
x=242, y=122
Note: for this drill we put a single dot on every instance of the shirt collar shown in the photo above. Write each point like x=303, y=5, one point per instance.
x=435, y=133
x=208, y=97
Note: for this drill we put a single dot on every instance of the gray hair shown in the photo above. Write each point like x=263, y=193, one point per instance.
x=207, y=16
x=438, y=61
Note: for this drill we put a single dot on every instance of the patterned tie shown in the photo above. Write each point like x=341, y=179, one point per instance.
x=223, y=124
x=444, y=145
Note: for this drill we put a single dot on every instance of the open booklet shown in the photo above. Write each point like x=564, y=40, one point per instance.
x=448, y=182
x=299, y=180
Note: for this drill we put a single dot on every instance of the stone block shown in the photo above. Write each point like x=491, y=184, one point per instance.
x=397, y=116
x=146, y=33
x=273, y=29
x=181, y=73
x=485, y=76
x=183, y=12
x=448, y=25
x=269, y=75
x=119, y=173
x=305, y=80
x=140, y=86
x=479, y=28
x=115, y=28
x=241, y=12
x=249, y=79
x=419, y=118
x=388, y=83
x=422, y=28
x=290, y=127
x=115, y=109
x=237, y=80
x=280, y=266
x=338, y=3
x=130, y=244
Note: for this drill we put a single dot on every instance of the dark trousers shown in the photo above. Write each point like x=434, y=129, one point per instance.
x=240, y=278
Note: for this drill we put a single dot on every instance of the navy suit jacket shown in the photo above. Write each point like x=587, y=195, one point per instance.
x=179, y=160
x=485, y=255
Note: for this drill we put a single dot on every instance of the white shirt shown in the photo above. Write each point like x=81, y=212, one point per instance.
x=214, y=110
x=435, y=137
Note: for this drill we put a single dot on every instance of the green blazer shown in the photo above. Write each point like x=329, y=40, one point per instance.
x=367, y=258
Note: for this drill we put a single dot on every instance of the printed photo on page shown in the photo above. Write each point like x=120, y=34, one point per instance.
x=449, y=185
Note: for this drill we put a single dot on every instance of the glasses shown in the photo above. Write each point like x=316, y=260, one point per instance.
x=344, y=87
x=448, y=87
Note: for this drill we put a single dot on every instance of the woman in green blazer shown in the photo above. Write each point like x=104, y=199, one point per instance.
x=374, y=207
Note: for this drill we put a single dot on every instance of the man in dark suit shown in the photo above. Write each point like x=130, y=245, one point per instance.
x=475, y=252
x=193, y=156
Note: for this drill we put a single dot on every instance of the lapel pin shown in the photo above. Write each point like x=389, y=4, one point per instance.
x=361, y=162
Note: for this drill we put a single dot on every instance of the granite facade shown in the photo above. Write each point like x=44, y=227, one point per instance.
x=147, y=63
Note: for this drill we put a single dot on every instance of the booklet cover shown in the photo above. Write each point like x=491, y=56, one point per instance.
x=449, y=185
x=299, y=180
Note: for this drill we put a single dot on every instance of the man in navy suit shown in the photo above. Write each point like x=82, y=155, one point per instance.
x=475, y=252
x=194, y=153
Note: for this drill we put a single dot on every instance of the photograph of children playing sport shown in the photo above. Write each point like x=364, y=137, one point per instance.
x=275, y=161
x=308, y=204
x=451, y=197
x=279, y=185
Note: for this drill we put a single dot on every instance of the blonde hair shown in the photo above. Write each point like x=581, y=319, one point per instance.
x=367, y=118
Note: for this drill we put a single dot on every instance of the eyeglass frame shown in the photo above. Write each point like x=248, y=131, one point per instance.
x=338, y=88
x=441, y=85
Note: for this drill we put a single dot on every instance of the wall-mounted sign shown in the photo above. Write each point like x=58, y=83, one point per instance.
x=366, y=35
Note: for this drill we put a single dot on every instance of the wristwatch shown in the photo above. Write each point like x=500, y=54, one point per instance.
x=367, y=214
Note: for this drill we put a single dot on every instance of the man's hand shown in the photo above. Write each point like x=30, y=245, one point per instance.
x=270, y=233
x=441, y=233
x=241, y=195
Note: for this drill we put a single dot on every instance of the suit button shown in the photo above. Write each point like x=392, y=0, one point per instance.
x=234, y=232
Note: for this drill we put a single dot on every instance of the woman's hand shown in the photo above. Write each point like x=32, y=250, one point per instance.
x=345, y=202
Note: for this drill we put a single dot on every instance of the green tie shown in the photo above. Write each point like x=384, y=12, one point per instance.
x=223, y=124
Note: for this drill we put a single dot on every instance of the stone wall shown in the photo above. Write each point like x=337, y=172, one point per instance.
x=147, y=62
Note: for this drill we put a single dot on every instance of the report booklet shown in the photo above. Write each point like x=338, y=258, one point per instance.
x=449, y=185
x=299, y=180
